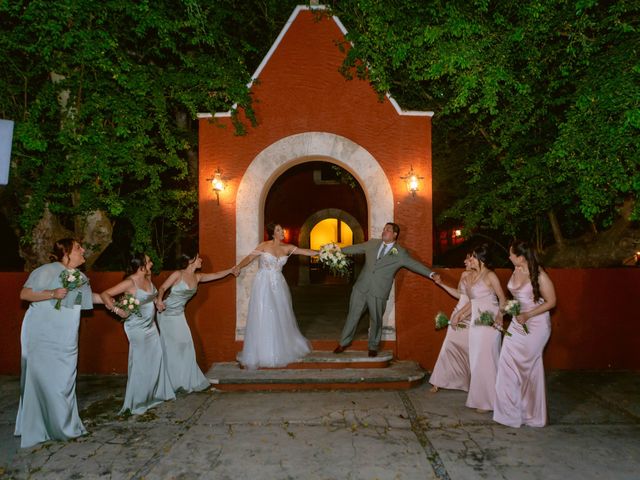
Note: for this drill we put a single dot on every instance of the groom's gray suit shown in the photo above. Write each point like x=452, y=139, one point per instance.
x=373, y=285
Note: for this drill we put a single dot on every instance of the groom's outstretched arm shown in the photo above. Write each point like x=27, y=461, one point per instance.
x=417, y=267
x=354, y=249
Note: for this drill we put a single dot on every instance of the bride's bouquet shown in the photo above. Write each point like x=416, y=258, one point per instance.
x=332, y=258
x=513, y=308
x=443, y=321
x=487, y=319
x=71, y=279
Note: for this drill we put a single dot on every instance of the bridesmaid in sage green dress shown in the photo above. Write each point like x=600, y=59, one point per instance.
x=148, y=383
x=175, y=335
x=48, y=408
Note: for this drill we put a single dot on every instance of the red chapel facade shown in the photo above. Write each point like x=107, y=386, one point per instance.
x=307, y=111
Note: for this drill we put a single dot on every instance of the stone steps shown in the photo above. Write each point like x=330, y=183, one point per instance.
x=322, y=370
x=320, y=359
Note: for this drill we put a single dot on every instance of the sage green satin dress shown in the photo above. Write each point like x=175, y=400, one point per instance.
x=148, y=383
x=177, y=342
x=48, y=408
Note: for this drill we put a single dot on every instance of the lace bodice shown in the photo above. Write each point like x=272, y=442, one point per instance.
x=270, y=262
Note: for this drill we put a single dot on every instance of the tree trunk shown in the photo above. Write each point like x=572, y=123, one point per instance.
x=555, y=228
x=45, y=233
x=94, y=230
x=607, y=248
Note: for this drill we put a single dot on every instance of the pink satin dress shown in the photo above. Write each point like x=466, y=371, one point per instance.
x=484, y=348
x=520, y=384
x=452, y=367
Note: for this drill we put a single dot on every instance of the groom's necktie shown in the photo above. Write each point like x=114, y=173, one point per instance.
x=383, y=251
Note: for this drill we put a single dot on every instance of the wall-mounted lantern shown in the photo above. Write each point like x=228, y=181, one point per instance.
x=217, y=183
x=413, y=181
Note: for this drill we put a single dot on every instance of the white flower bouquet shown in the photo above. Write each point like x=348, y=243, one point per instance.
x=486, y=319
x=71, y=279
x=512, y=308
x=443, y=321
x=129, y=304
x=331, y=257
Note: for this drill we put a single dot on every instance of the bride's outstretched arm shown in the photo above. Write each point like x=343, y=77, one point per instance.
x=305, y=251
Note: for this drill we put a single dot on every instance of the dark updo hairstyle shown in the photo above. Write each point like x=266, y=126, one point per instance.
x=186, y=258
x=138, y=260
x=524, y=249
x=481, y=252
x=61, y=248
x=271, y=228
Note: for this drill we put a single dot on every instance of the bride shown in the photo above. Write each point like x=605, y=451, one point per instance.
x=272, y=337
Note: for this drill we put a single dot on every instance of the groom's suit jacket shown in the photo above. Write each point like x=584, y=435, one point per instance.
x=376, y=277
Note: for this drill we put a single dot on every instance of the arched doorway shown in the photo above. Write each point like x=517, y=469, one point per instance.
x=321, y=300
x=298, y=200
x=265, y=170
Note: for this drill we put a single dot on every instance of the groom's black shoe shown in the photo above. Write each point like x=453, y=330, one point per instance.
x=373, y=353
x=340, y=349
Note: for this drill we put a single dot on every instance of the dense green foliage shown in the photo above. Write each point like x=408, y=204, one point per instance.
x=104, y=96
x=537, y=104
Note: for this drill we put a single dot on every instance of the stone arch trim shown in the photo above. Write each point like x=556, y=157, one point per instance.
x=269, y=164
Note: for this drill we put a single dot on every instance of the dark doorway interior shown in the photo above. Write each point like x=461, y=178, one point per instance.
x=321, y=309
x=320, y=301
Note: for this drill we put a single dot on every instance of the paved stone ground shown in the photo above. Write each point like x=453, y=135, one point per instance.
x=594, y=434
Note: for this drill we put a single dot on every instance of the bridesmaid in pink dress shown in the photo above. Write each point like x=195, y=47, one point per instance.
x=452, y=367
x=486, y=295
x=520, y=385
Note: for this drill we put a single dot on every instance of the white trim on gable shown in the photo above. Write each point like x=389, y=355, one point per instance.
x=276, y=44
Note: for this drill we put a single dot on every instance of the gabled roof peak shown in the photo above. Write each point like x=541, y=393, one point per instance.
x=276, y=44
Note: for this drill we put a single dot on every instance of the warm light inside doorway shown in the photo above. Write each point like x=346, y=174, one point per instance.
x=331, y=230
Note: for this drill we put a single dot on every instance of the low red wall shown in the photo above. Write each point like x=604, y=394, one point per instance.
x=594, y=325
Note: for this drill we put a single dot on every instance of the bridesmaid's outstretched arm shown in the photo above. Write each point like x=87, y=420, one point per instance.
x=454, y=292
x=208, y=277
x=96, y=298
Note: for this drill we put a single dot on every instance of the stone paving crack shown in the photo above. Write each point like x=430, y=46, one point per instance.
x=431, y=453
x=161, y=451
x=613, y=406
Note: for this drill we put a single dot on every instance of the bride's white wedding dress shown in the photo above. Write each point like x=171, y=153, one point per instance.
x=272, y=337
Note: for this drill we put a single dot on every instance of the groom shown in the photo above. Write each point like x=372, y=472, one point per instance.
x=383, y=258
